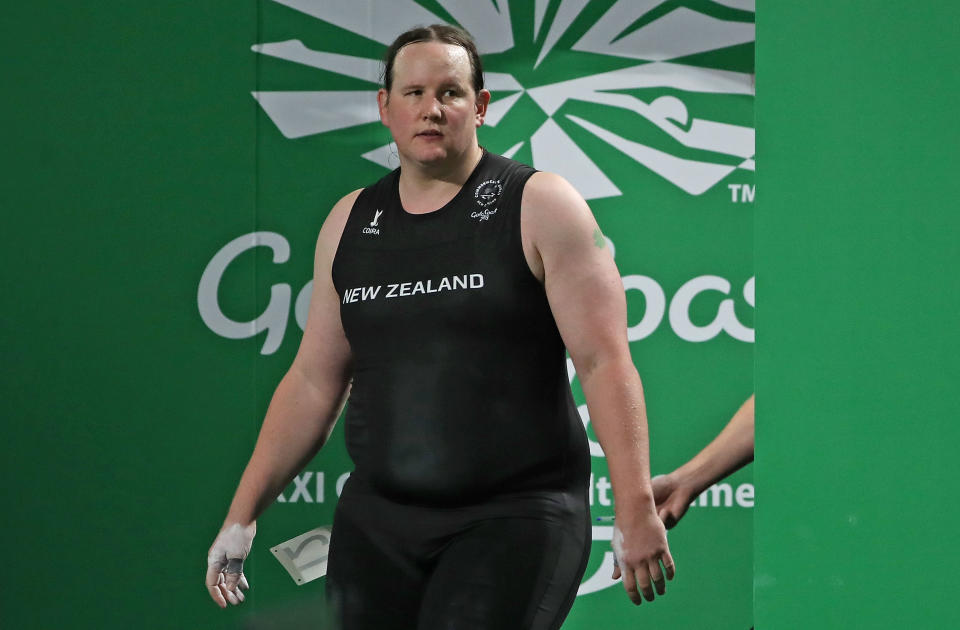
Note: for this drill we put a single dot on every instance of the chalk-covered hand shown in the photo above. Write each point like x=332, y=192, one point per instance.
x=225, y=580
x=640, y=547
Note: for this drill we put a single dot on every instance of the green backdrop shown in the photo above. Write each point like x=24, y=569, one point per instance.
x=857, y=365
x=141, y=140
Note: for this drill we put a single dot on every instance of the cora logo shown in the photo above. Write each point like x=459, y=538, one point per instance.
x=275, y=317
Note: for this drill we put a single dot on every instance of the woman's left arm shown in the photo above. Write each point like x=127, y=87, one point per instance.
x=586, y=297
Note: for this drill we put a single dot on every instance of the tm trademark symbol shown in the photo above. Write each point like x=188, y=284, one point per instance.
x=742, y=193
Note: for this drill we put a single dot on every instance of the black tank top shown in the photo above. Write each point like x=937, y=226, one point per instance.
x=460, y=391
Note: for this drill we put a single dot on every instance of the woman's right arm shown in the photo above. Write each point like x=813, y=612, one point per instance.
x=301, y=415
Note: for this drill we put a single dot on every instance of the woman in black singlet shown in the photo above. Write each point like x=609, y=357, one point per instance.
x=450, y=292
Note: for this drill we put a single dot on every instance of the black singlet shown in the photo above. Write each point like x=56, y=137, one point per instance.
x=467, y=508
x=460, y=391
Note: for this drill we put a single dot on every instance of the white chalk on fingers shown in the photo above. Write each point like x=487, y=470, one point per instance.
x=230, y=597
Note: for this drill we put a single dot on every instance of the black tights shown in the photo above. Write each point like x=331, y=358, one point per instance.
x=508, y=564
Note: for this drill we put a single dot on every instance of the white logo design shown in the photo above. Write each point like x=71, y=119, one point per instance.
x=487, y=193
x=372, y=228
x=483, y=215
x=653, y=45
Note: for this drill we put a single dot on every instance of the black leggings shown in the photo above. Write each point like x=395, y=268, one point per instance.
x=511, y=563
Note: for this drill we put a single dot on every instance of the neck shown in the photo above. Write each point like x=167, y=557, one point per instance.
x=432, y=176
x=425, y=188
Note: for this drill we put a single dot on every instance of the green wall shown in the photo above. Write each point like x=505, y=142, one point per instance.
x=127, y=149
x=857, y=344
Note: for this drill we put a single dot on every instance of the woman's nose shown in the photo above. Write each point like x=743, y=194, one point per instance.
x=432, y=109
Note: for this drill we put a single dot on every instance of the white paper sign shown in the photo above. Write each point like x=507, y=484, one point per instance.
x=305, y=557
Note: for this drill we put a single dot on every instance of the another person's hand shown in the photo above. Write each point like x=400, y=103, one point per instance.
x=640, y=546
x=672, y=497
x=728, y=452
x=225, y=580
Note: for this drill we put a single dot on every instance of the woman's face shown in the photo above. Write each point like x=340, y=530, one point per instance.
x=431, y=109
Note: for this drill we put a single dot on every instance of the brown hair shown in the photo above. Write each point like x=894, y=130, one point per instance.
x=435, y=33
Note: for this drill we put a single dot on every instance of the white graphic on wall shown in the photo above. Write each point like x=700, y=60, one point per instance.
x=274, y=317
x=566, y=14
x=668, y=113
x=678, y=33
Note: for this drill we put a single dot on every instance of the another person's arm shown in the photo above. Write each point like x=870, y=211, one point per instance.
x=727, y=453
x=301, y=415
x=587, y=299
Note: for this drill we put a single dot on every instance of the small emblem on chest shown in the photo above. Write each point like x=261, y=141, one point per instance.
x=372, y=227
x=483, y=215
x=488, y=192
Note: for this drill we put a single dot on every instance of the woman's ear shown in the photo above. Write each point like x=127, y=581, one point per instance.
x=483, y=100
x=383, y=98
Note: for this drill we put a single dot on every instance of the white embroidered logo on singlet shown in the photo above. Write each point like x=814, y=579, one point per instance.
x=373, y=229
x=483, y=215
x=486, y=195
